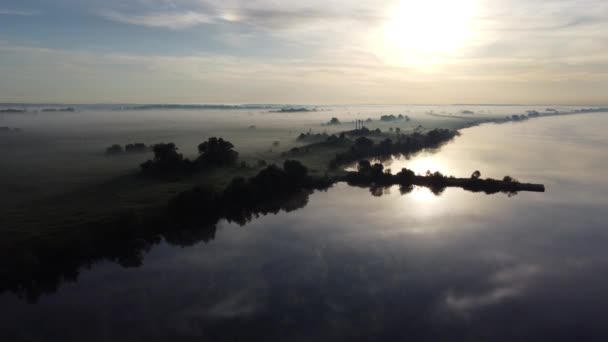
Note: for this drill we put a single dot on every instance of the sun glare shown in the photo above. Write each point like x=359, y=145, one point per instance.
x=425, y=32
x=423, y=164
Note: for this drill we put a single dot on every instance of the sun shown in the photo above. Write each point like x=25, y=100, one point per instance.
x=425, y=32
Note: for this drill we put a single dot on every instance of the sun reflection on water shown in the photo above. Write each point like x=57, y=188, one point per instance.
x=421, y=194
x=421, y=165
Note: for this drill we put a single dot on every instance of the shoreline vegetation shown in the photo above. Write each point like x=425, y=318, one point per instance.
x=191, y=107
x=117, y=149
x=192, y=216
x=21, y=108
x=470, y=115
x=215, y=186
x=375, y=177
x=294, y=110
x=59, y=110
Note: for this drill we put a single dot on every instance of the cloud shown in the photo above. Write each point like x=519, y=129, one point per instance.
x=241, y=304
x=329, y=76
x=505, y=284
x=542, y=31
x=520, y=51
x=466, y=303
x=18, y=12
x=166, y=20
x=254, y=14
x=205, y=77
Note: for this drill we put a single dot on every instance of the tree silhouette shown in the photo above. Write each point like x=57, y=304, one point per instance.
x=114, y=149
x=295, y=170
x=217, y=152
x=334, y=121
x=167, y=162
x=136, y=147
x=166, y=153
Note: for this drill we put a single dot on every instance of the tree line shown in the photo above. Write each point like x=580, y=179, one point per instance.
x=168, y=162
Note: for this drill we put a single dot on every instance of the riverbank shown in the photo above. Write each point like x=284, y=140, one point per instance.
x=38, y=266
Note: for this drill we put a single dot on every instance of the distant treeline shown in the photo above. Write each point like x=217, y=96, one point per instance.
x=332, y=122
x=364, y=132
x=591, y=110
x=52, y=110
x=364, y=147
x=12, y=110
x=310, y=137
x=44, y=110
x=384, y=118
x=391, y=118
x=129, y=148
x=193, y=106
x=294, y=110
x=521, y=117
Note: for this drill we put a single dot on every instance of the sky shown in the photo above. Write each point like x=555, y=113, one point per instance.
x=305, y=52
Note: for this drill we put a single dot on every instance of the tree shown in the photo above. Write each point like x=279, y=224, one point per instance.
x=377, y=170
x=167, y=162
x=385, y=147
x=406, y=176
x=167, y=154
x=217, y=152
x=295, y=170
x=476, y=175
x=364, y=165
x=114, y=149
x=136, y=147
x=363, y=143
x=509, y=179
